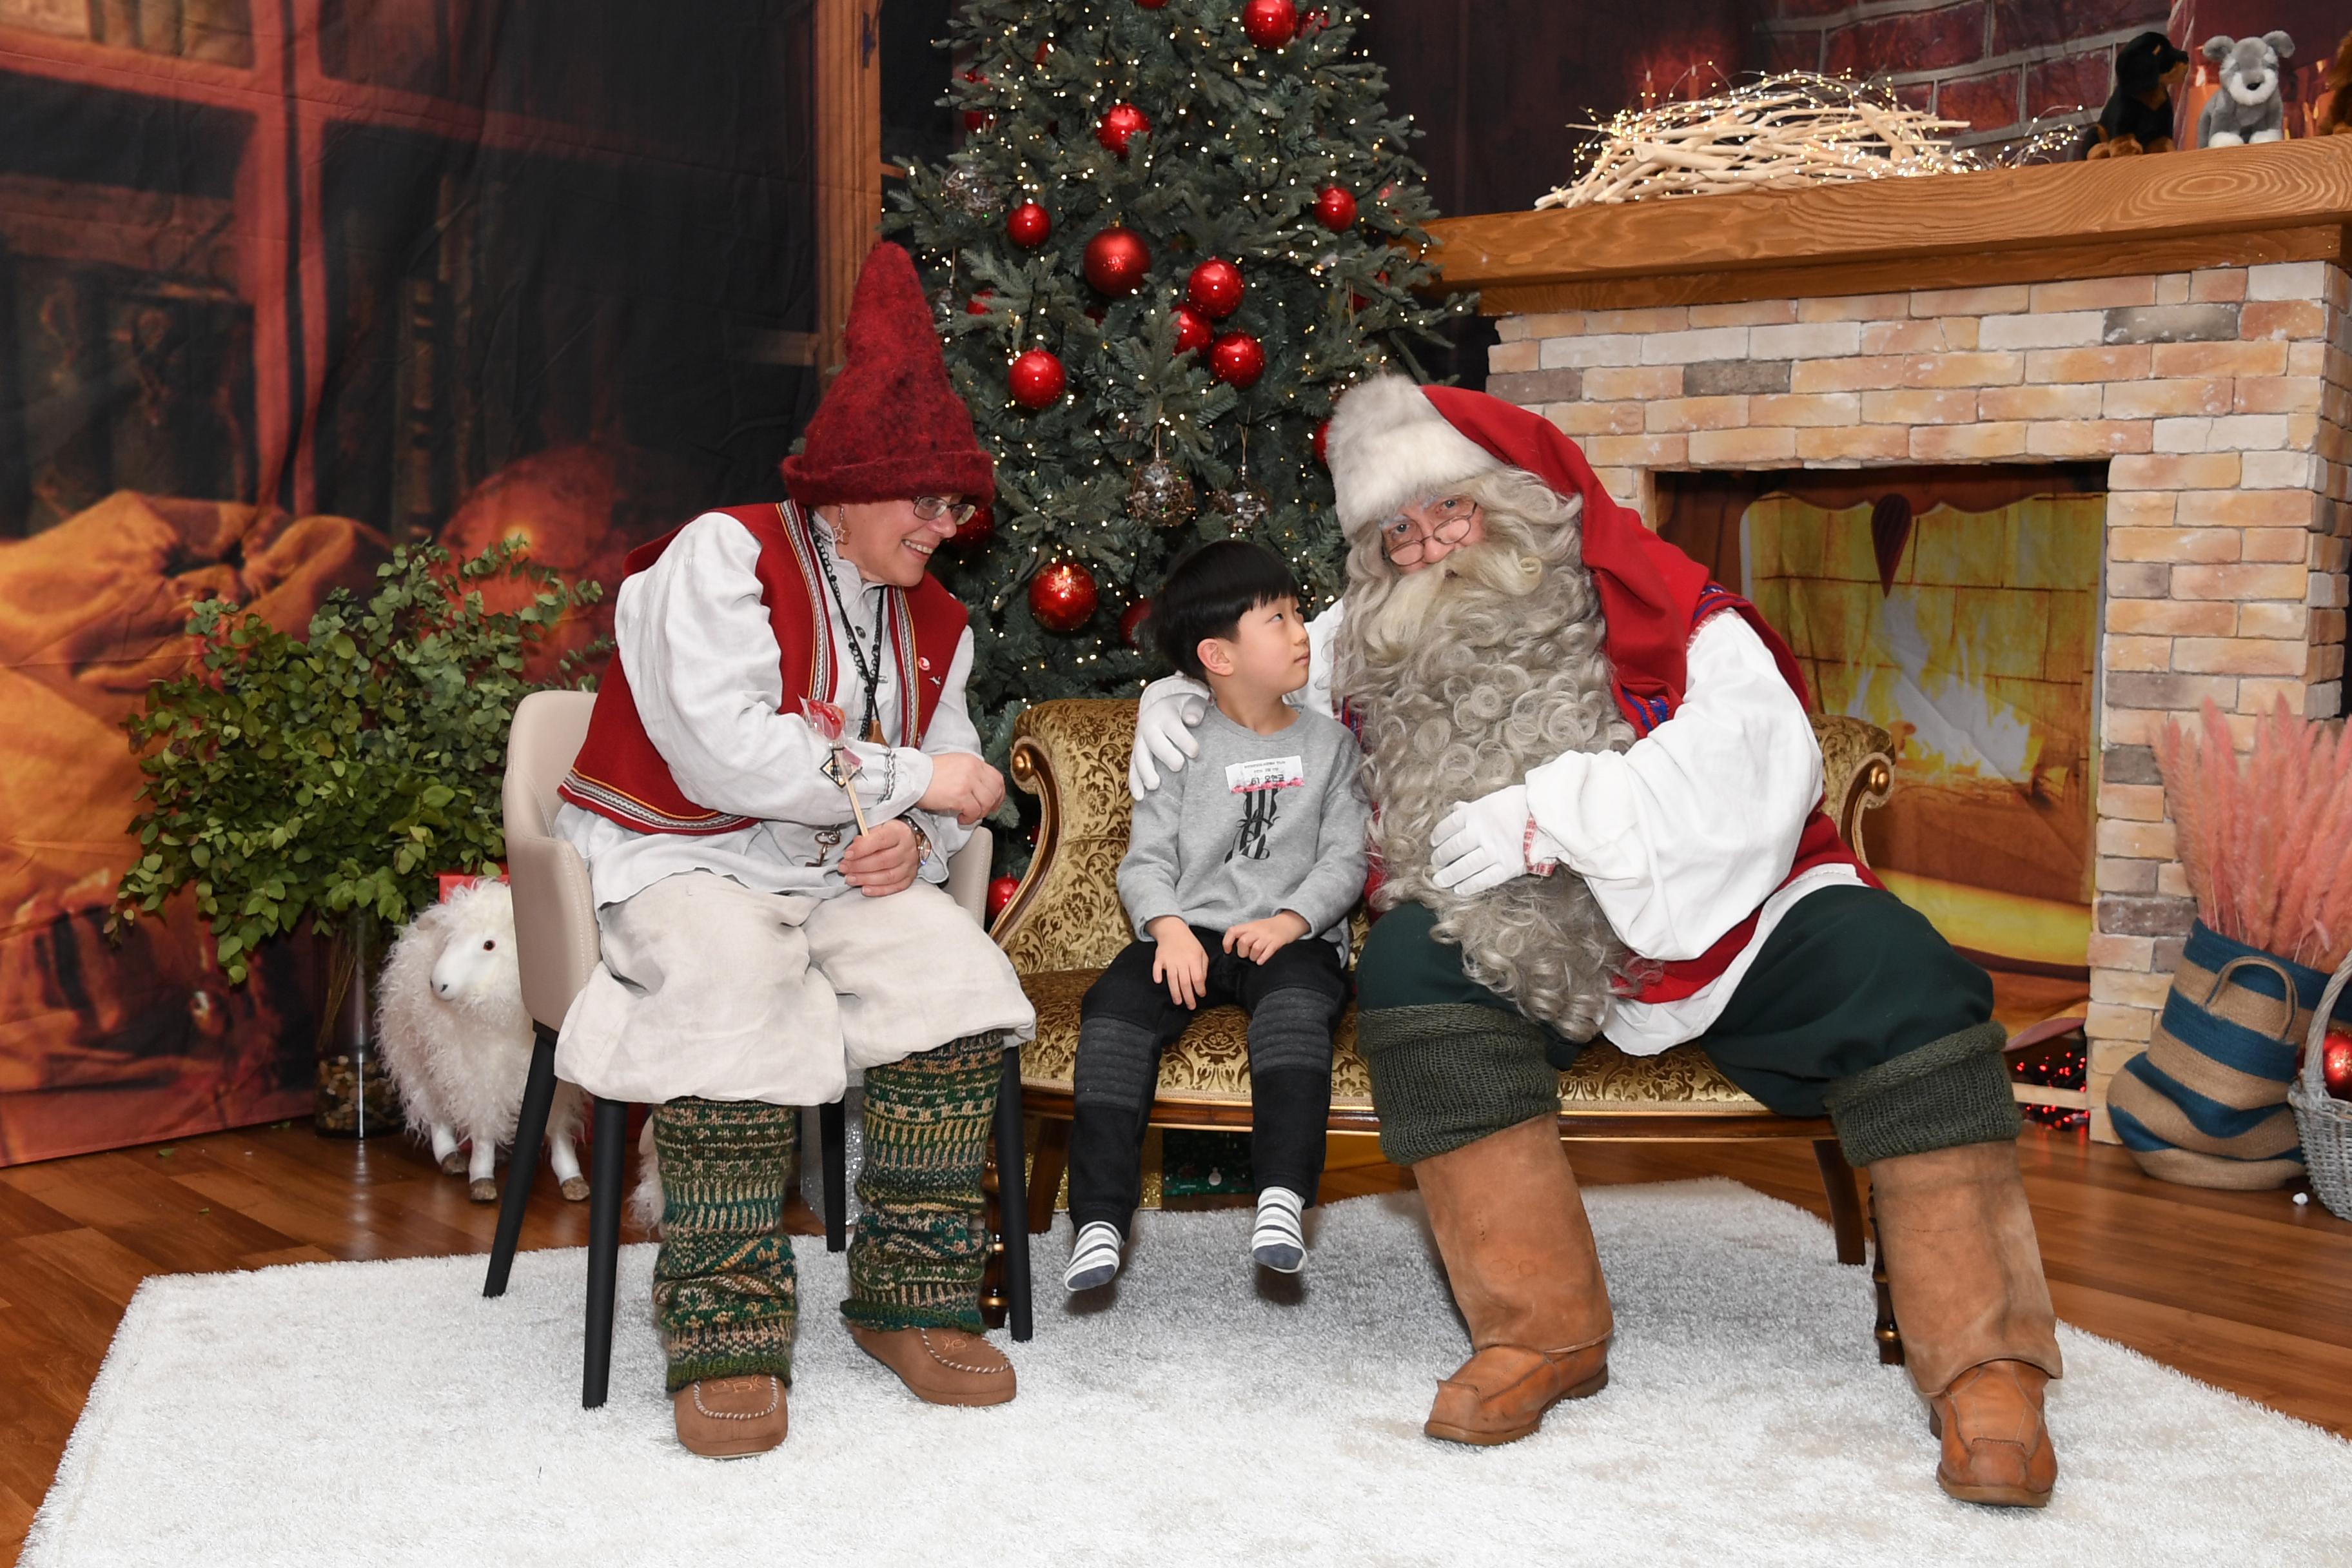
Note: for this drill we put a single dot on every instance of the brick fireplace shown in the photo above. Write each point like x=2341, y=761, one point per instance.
x=2186, y=321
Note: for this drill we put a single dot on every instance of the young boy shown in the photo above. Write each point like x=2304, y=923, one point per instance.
x=1239, y=876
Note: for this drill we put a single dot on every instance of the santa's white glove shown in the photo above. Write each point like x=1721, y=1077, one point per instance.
x=1484, y=843
x=1164, y=718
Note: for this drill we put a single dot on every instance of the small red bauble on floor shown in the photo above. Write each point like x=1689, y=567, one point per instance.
x=1322, y=443
x=2335, y=1063
x=977, y=119
x=1214, y=289
x=1000, y=893
x=1036, y=378
x=1062, y=596
x=1117, y=260
x=1028, y=226
x=1119, y=122
x=1237, y=359
x=1130, y=622
x=1192, y=329
x=1335, y=209
x=1270, y=24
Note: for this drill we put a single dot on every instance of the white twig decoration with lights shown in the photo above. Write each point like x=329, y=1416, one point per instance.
x=1793, y=129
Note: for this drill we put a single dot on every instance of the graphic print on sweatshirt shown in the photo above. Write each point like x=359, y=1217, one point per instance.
x=1260, y=785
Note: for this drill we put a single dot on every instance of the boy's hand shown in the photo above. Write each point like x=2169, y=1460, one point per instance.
x=1258, y=940
x=1181, y=963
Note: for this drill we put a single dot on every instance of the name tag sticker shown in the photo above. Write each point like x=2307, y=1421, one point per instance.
x=1267, y=772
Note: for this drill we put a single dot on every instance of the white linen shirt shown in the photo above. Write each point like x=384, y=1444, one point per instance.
x=1685, y=832
x=695, y=635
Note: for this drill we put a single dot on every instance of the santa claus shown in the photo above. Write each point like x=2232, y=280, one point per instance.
x=777, y=768
x=1599, y=798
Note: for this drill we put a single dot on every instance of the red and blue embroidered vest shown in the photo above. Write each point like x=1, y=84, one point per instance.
x=619, y=773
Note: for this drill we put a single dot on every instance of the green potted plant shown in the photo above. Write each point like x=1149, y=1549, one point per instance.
x=330, y=777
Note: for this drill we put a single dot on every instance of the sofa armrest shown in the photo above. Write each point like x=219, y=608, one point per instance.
x=1071, y=753
x=1857, y=773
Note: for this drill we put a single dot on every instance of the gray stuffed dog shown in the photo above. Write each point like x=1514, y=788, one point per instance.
x=2248, y=107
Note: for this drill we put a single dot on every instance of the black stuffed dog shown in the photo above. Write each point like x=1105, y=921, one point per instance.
x=2138, y=116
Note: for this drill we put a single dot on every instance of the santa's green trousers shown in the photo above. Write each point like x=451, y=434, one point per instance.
x=725, y=1295
x=1854, y=1006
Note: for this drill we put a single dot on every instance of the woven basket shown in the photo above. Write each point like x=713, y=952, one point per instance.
x=2324, y=1122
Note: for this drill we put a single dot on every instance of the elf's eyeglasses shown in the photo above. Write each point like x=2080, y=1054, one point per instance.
x=1405, y=542
x=930, y=508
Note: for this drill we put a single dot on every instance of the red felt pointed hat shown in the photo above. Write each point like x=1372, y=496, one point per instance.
x=890, y=427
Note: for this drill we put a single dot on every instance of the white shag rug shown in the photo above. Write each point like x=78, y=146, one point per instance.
x=362, y=1413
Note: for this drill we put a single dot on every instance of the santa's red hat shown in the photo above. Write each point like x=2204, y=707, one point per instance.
x=890, y=427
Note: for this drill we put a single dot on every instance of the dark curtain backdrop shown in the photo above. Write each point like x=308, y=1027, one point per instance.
x=283, y=282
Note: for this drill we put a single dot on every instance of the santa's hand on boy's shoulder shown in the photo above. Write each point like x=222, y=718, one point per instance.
x=1164, y=719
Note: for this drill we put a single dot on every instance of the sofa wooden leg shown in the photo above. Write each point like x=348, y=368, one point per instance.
x=1045, y=1172
x=1846, y=1198
x=1888, y=1332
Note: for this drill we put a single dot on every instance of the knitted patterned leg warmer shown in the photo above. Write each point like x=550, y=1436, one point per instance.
x=724, y=1294
x=922, y=1239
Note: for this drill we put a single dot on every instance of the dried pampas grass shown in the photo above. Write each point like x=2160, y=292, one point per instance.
x=1796, y=128
x=2266, y=840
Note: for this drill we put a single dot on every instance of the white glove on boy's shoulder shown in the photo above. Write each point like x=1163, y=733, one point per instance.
x=1164, y=719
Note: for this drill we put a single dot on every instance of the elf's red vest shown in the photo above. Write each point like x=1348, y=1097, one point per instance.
x=619, y=774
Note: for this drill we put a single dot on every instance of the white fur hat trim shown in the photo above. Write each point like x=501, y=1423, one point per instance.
x=1389, y=448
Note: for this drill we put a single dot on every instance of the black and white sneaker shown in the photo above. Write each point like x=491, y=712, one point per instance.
x=1279, y=1241
x=1095, y=1257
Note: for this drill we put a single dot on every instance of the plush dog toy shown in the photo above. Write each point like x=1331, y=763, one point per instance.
x=2138, y=116
x=2248, y=107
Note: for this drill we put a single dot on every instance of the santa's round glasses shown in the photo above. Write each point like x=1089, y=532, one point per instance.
x=930, y=508
x=1405, y=541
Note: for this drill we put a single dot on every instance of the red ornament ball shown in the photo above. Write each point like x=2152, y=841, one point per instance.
x=1028, y=226
x=1335, y=209
x=1313, y=23
x=1192, y=329
x=977, y=529
x=1036, y=378
x=1000, y=893
x=1322, y=443
x=1214, y=289
x=1119, y=122
x=1130, y=622
x=1270, y=24
x=978, y=304
x=1151, y=4
x=1237, y=359
x=1117, y=259
x=2335, y=1063
x=1062, y=596
x=977, y=119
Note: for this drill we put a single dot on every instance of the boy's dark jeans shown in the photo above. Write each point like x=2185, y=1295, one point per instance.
x=1292, y=1000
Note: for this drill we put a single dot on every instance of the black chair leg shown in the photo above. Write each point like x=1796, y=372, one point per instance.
x=1013, y=1197
x=833, y=1134
x=604, y=1247
x=538, y=1095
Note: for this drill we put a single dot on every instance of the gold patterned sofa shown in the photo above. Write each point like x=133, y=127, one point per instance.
x=1065, y=922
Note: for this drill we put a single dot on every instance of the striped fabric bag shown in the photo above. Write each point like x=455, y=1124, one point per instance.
x=2205, y=1104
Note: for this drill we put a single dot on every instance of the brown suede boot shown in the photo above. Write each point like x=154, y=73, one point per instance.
x=941, y=1366
x=1518, y=1253
x=730, y=1417
x=1979, y=1336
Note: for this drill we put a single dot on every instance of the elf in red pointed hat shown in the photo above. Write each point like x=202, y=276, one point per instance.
x=778, y=770
x=1600, y=803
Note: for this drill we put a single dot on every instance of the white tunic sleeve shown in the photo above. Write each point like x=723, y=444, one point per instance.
x=701, y=656
x=1684, y=834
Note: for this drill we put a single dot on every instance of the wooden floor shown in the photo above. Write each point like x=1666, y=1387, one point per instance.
x=2249, y=1291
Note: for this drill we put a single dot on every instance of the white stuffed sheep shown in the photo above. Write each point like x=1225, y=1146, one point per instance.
x=456, y=1039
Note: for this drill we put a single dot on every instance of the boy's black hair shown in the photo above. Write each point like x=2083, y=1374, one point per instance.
x=1208, y=593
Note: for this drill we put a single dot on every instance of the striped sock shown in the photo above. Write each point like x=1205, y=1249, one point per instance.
x=1279, y=1242
x=1095, y=1257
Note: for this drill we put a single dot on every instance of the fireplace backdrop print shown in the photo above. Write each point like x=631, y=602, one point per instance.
x=1957, y=609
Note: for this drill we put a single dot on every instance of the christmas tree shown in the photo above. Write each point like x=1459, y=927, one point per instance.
x=1177, y=230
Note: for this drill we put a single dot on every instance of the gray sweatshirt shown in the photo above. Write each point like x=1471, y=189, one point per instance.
x=1253, y=826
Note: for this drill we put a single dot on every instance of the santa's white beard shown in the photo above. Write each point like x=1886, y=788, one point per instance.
x=1467, y=675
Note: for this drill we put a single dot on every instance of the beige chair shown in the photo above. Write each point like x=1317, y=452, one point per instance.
x=1064, y=923
x=556, y=948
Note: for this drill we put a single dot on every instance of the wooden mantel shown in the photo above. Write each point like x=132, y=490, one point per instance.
x=2170, y=212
